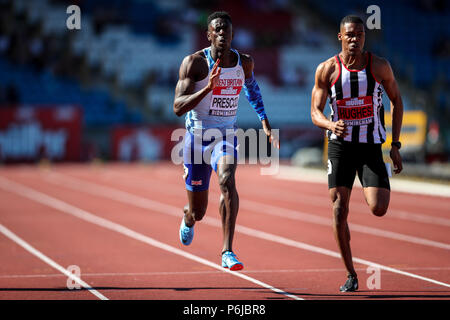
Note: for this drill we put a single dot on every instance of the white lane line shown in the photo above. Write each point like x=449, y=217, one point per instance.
x=62, y=206
x=323, y=200
x=308, y=217
x=173, y=273
x=156, y=206
x=8, y=233
x=253, y=206
x=185, y=273
x=308, y=198
x=300, y=245
x=397, y=184
x=418, y=217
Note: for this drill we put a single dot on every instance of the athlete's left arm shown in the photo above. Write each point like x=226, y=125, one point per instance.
x=386, y=75
x=253, y=94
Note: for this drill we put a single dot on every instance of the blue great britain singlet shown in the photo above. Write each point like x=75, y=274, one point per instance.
x=218, y=108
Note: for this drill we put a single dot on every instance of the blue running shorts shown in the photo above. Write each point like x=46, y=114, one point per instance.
x=200, y=157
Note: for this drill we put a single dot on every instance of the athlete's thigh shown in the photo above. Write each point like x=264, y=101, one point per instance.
x=341, y=165
x=377, y=199
x=197, y=173
x=197, y=177
x=224, y=156
x=226, y=163
x=375, y=180
x=372, y=172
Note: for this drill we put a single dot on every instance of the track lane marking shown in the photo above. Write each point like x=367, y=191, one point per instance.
x=249, y=205
x=397, y=184
x=393, y=213
x=174, y=211
x=30, y=193
x=184, y=273
x=12, y=236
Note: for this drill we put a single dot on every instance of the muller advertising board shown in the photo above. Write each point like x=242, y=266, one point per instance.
x=30, y=133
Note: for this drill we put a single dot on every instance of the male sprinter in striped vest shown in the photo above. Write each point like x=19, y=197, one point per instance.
x=354, y=81
x=207, y=91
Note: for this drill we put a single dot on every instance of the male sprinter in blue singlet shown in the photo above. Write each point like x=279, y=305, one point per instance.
x=210, y=81
x=354, y=80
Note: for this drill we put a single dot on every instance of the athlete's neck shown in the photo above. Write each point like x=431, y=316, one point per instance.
x=223, y=54
x=355, y=62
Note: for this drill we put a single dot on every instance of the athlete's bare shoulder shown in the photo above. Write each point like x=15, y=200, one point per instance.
x=195, y=66
x=381, y=68
x=328, y=66
x=379, y=62
x=246, y=58
x=327, y=71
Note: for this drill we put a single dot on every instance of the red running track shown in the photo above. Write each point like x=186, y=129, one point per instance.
x=119, y=224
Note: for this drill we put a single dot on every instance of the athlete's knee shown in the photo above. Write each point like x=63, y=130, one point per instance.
x=379, y=209
x=378, y=200
x=340, y=211
x=340, y=215
x=197, y=214
x=226, y=181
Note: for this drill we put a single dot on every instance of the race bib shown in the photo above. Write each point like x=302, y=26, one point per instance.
x=356, y=111
x=225, y=98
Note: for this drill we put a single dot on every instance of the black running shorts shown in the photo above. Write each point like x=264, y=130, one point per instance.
x=345, y=159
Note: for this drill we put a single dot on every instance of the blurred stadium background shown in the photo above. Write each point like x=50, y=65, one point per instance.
x=106, y=91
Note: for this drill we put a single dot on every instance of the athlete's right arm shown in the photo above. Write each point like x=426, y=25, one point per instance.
x=318, y=100
x=185, y=97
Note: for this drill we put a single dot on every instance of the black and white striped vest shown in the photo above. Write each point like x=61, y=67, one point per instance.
x=356, y=97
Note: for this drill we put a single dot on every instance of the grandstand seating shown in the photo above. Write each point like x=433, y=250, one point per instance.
x=43, y=89
x=130, y=50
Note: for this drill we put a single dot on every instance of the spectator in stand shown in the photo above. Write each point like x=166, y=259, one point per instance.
x=243, y=39
x=313, y=37
x=2, y=96
x=9, y=96
x=12, y=95
x=36, y=50
x=442, y=48
x=4, y=44
x=433, y=5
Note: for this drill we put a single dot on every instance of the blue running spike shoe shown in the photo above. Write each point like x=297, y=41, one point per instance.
x=186, y=233
x=229, y=260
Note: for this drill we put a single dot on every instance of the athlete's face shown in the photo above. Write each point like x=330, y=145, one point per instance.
x=352, y=36
x=220, y=33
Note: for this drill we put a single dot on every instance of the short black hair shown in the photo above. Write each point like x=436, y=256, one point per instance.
x=351, y=19
x=219, y=14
